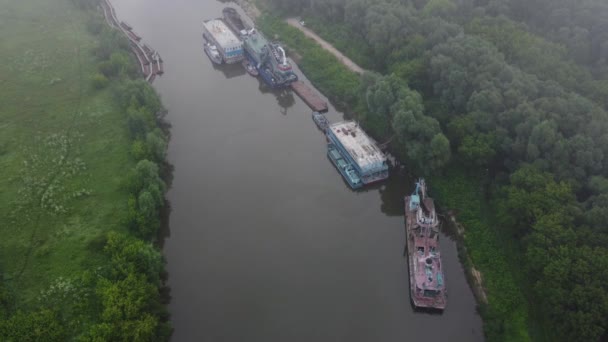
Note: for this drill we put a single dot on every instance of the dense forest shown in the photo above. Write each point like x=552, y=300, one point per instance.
x=514, y=94
x=83, y=158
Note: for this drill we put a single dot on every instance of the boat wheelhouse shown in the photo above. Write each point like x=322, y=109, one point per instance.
x=359, y=150
x=227, y=43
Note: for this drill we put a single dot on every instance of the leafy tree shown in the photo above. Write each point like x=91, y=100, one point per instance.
x=99, y=81
x=139, y=150
x=478, y=149
x=138, y=94
x=43, y=325
x=156, y=145
x=140, y=121
x=125, y=305
x=133, y=256
x=531, y=195
x=110, y=41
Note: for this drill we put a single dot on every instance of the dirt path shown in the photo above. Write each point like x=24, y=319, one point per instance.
x=327, y=46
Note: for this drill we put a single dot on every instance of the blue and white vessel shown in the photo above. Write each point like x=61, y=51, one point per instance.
x=227, y=43
x=269, y=59
x=355, y=154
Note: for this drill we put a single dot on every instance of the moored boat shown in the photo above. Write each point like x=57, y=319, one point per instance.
x=320, y=120
x=234, y=21
x=427, y=283
x=312, y=99
x=270, y=60
x=226, y=42
x=359, y=150
x=250, y=68
x=214, y=55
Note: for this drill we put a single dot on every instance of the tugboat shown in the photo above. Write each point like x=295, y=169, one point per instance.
x=320, y=120
x=250, y=68
x=427, y=286
x=269, y=59
x=214, y=55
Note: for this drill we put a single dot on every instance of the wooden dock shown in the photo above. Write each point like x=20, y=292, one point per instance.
x=149, y=61
x=309, y=96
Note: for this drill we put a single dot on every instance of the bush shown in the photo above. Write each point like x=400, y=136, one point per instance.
x=139, y=150
x=156, y=145
x=99, y=81
x=95, y=24
x=110, y=41
x=106, y=68
x=121, y=63
x=41, y=325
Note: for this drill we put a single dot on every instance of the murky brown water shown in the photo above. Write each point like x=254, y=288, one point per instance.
x=267, y=243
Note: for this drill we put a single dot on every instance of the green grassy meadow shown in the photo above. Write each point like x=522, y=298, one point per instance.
x=64, y=148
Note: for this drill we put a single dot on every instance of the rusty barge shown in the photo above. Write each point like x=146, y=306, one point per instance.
x=309, y=96
x=427, y=283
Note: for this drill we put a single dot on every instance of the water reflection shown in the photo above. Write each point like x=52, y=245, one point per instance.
x=285, y=98
x=230, y=70
x=399, y=184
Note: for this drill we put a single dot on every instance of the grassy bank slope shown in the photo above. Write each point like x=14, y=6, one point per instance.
x=63, y=147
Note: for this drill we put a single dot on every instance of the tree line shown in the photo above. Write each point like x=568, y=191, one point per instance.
x=514, y=93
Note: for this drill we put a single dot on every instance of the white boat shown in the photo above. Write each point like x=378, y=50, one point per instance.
x=214, y=55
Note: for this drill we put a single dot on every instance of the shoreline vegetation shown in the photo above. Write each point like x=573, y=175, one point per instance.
x=499, y=105
x=82, y=147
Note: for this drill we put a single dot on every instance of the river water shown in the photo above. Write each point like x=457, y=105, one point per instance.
x=266, y=241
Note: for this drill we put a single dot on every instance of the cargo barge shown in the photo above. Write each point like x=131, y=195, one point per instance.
x=427, y=284
x=359, y=151
x=269, y=59
x=228, y=45
x=234, y=21
x=309, y=96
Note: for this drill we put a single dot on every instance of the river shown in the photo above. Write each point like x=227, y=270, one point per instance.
x=266, y=241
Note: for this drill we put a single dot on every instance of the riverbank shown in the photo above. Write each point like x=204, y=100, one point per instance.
x=70, y=262
x=327, y=46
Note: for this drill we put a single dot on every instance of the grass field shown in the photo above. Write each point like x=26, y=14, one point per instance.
x=64, y=148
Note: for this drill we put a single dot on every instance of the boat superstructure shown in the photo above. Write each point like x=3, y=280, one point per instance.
x=344, y=167
x=213, y=53
x=359, y=150
x=228, y=44
x=320, y=120
x=427, y=283
x=269, y=59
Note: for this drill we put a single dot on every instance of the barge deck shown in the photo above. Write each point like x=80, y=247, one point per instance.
x=309, y=96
